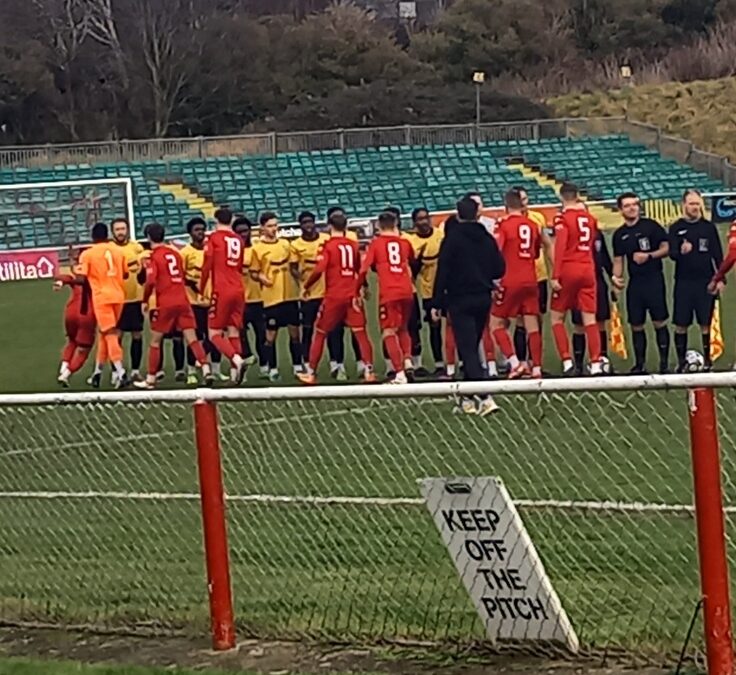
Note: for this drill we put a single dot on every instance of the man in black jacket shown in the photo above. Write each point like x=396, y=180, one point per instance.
x=696, y=249
x=469, y=263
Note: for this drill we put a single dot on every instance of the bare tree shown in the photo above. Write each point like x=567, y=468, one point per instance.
x=66, y=24
x=164, y=53
x=103, y=28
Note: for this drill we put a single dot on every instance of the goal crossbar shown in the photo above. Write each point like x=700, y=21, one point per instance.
x=126, y=182
x=419, y=390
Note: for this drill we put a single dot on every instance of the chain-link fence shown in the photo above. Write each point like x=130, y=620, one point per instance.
x=99, y=513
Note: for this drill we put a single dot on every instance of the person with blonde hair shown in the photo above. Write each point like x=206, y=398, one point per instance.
x=696, y=249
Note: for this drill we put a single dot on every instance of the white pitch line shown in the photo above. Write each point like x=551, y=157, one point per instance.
x=301, y=500
x=178, y=432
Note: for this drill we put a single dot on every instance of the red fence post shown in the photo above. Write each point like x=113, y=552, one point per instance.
x=214, y=525
x=709, y=516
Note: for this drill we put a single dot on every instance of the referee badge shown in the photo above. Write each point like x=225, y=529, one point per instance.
x=644, y=244
x=703, y=245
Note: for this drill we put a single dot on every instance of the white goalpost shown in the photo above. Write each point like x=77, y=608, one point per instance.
x=55, y=214
x=314, y=524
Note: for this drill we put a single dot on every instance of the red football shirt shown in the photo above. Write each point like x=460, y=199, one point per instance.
x=339, y=261
x=165, y=276
x=390, y=256
x=223, y=261
x=575, y=233
x=78, y=305
x=519, y=242
x=730, y=260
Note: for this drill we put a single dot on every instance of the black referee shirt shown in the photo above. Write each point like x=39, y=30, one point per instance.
x=706, y=255
x=644, y=236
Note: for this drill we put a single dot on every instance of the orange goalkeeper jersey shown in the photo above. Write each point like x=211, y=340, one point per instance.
x=106, y=269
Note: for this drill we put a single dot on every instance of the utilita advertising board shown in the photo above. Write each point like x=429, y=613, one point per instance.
x=28, y=265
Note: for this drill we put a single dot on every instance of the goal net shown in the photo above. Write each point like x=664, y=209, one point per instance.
x=57, y=214
x=328, y=536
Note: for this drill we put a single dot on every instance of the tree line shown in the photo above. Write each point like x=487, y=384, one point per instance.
x=77, y=70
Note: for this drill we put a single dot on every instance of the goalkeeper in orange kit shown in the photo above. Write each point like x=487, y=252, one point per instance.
x=105, y=268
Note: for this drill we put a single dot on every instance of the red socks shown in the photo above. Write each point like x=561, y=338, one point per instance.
x=154, y=359
x=224, y=346
x=535, y=347
x=78, y=360
x=488, y=347
x=594, y=342
x=68, y=352
x=365, y=346
x=198, y=351
x=316, y=349
x=405, y=342
x=237, y=344
x=503, y=340
x=562, y=342
x=393, y=349
x=450, y=346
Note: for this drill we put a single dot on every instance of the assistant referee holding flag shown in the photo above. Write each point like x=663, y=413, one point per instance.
x=696, y=249
x=469, y=262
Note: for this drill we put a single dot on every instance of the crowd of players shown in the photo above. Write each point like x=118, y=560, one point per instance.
x=227, y=295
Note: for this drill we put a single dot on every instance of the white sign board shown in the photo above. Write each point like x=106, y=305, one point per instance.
x=407, y=10
x=496, y=560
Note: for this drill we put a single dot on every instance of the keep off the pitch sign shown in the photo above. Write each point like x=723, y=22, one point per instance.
x=496, y=560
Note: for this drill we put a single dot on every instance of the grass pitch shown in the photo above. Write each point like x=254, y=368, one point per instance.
x=120, y=542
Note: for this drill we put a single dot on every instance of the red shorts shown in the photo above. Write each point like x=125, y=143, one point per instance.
x=516, y=301
x=226, y=311
x=332, y=313
x=80, y=329
x=171, y=319
x=578, y=292
x=395, y=314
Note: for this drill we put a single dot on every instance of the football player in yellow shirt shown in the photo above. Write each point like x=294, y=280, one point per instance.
x=192, y=256
x=546, y=255
x=280, y=294
x=426, y=241
x=131, y=320
x=304, y=252
x=253, y=316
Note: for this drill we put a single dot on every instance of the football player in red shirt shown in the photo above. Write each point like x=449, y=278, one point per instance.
x=728, y=262
x=223, y=263
x=573, y=279
x=165, y=276
x=519, y=241
x=339, y=261
x=391, y=255
x=79, y=323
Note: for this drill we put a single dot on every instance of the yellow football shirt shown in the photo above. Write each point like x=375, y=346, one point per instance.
x=275, y=257
x=252, y=287
x=193, y=259
x=541, y=222
x=133, y=251
x=428, y=249
x=304, y=255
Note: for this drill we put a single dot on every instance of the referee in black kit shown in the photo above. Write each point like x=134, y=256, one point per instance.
x=643, y=243
x=469, y=262
x=696, y=249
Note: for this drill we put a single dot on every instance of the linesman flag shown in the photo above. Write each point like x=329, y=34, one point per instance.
x=716, y=335
x=617, y=337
